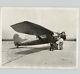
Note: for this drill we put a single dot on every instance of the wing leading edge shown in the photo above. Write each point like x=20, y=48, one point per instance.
x=30, y=28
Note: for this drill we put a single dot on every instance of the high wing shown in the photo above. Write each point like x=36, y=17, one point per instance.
x=30, y=28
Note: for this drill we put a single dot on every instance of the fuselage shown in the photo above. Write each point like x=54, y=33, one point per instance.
x=36, y=42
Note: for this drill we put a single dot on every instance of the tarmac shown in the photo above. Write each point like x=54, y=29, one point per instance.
x=38, y=55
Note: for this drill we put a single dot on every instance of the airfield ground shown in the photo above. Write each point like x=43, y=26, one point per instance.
x=38, y=55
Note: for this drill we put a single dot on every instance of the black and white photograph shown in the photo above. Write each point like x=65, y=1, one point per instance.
x=39, y=37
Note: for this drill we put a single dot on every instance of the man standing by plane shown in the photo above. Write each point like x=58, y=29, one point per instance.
x=56, y=41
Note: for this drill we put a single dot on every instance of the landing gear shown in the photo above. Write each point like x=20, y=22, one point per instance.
x=50, y=46
x=17, y=45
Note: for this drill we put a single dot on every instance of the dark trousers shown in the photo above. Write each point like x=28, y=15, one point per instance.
x=53, y=46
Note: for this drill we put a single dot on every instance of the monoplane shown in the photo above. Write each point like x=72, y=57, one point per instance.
x=43, y=35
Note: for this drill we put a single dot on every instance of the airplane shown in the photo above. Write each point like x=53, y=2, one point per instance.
x=44, y=35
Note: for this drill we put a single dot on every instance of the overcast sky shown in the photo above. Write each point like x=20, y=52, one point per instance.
x=55, y=19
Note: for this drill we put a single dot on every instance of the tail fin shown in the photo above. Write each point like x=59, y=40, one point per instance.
x=17, y=40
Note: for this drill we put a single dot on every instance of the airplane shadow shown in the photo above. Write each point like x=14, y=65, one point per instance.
x=33, y=50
